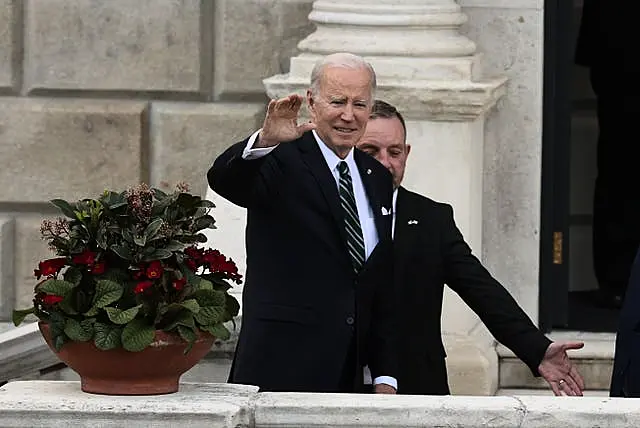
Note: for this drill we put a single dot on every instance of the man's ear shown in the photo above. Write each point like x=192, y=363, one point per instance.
x=310, y=100
x=408, y=149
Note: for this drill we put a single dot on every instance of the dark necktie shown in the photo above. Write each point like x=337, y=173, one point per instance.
x=355, y=239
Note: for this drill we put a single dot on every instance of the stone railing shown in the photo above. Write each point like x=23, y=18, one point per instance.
x=53, y=404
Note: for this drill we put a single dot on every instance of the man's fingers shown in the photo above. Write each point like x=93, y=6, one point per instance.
x=271, y=107
x=572, y=345
x=555, y=388
x=306, y=127
x=577, y=377
x=571, y=386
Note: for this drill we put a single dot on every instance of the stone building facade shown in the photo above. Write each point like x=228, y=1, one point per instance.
x=105, y=94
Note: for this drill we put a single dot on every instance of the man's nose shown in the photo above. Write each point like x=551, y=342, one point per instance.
x=384, y=160
x=347, y=113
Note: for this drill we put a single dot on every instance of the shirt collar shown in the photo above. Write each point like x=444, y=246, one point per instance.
x=333, y=159
x=393, y=202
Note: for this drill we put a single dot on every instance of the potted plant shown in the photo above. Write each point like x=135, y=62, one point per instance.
x=132, y=300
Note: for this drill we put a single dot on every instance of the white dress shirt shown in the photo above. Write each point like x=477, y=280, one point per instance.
x=365, y=212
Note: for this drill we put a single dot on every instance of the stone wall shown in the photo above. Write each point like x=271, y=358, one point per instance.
x=106, y=94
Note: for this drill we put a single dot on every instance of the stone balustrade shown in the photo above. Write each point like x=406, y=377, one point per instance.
x=54, y=404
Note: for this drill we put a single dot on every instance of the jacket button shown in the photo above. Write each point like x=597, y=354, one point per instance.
x=350, y=320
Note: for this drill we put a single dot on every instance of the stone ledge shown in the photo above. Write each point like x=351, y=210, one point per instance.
x=51, y=404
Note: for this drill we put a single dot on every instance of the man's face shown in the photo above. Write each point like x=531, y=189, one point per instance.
x=384, y=140
x=341, y=108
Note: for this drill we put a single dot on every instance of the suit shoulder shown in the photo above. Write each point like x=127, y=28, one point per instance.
x=426, y=203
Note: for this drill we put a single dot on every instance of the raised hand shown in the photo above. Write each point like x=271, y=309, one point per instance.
x=281, y=122
x=558, y=370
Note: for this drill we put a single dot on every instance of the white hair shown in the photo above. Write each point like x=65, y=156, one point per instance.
x=343, y=60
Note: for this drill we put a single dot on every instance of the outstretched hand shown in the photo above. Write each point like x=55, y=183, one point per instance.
x=281, y=122
x=558, y=370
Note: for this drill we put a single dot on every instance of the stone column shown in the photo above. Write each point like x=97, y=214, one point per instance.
x=432, y=73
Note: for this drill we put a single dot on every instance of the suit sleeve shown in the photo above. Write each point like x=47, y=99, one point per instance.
x=244, y=182
x=384, y=360
x=499, y=311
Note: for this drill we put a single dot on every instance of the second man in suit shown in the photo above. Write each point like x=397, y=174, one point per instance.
x=317, y=300
x=431, y=252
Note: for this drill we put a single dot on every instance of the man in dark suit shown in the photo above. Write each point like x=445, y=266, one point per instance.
x=625, y=379
x=317, y=300
x=430, y=252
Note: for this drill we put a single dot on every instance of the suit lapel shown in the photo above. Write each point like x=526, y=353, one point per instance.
x=404, y=232
x=312, y=157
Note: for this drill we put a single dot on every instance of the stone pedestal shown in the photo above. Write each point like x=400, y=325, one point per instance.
x=433, y=74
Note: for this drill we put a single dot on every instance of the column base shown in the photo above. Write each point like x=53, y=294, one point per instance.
x=472, y=366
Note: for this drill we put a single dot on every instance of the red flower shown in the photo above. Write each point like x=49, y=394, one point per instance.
x=50, y=267
x=51, y=299
x=142, y=286
x=155, y=269
x=87, y=257
x=98, y=268
x=178, y=284
x=191, y=264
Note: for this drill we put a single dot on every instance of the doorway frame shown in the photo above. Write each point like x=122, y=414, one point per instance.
x=555, y=180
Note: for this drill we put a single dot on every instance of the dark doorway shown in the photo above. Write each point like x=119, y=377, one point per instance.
x=568, y=288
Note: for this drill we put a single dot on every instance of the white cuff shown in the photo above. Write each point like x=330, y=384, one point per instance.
x=250, y=153
x=388, y=380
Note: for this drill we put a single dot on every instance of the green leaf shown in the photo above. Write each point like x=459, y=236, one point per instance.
x=209, y=315
x=66, y=305
x=152, y=229
x=19, y=315
x=118, y=316
x=210, y=297
x=73, y=275
x=137, y=335
x=184, y=318
x=192, y=305
x=107, y=336
x=122, y=251
x=188, y=334
x=56, y=286
x=140, y=241
x=161, y=253
x=58, y=342
x=57, y=325
x=219, y=331
x=232, y=307
x=106, y=293
x=79, y=331
x=204, y=285
x=65, y=207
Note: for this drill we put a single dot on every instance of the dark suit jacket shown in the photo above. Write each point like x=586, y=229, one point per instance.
x=429, y=253
x=625, y=379
x=303, y=306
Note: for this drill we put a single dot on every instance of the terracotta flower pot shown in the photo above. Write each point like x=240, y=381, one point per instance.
x=154, y=370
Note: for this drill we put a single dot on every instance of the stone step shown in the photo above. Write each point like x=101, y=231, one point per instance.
x=594, y=362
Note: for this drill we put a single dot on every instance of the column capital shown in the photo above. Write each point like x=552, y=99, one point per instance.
x=422, y=62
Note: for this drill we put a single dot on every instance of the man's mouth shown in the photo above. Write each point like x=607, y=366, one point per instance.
x=344, y=130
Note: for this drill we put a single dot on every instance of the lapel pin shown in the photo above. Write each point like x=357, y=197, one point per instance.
x=368, y=172
x=412, y=222
x=386, y=211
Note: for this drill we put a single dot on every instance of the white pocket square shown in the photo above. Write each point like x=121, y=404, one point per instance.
x=386, y=211
x=412, y=222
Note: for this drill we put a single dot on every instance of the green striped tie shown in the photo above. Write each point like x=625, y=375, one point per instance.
x=355, y=240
